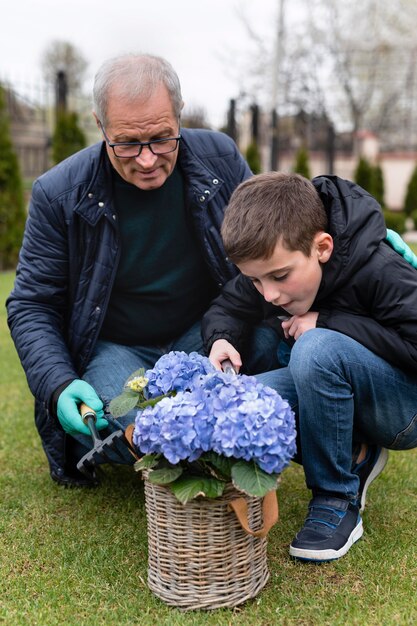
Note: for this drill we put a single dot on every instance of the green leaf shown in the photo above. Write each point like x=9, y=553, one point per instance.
x=165, y=475
x=146, y=462
x=221, y=463
x=120, y=405
x=248, y=477
x=186, y=489
x=137, y=374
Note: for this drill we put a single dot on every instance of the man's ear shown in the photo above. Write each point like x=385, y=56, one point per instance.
x=323, y=243
x=97, y=120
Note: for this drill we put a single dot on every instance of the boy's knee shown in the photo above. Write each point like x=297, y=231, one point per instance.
x=311, y=341
x=316, y=348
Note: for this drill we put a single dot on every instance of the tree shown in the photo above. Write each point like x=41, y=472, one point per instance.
x=12, y=210
x=253, y=157
x=302, y=165
x=194, y=117
x=371, y=54
x=360, y=73
x=363, y=174
x=68, y=137
x=378, y=189
x=62, y=56
x=371, y=178
x=410, y=202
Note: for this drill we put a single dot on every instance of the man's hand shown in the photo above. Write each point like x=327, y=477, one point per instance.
x=222, y=350
x=68, y=412
x=299, y=324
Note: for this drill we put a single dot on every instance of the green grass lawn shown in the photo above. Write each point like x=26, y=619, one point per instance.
x=71, y=557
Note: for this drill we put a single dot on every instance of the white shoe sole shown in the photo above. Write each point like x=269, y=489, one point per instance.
x=328, y=555
x=376, y=470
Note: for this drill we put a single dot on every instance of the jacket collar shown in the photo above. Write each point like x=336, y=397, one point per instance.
x=203, y=182
x=96, y=200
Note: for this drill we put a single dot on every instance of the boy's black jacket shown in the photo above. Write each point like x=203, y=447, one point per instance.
x=368, y=291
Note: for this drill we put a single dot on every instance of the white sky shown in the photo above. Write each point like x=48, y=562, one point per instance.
x=205, y=40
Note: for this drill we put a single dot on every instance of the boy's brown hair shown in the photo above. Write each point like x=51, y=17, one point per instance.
x=271, y=207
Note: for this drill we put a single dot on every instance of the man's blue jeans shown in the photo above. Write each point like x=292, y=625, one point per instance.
x=343, y=394
x=112, y=364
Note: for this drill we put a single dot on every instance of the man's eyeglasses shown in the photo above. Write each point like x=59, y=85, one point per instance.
x=130, y=149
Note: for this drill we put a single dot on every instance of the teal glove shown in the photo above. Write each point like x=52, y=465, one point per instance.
x=401, y=247
x=68, y=407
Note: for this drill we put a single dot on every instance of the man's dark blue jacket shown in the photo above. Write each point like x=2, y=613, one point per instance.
x=70, y=254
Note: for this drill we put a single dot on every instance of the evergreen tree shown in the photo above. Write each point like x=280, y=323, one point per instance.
x=12, y=208
x=68, y=137
x=371, y=179
x=410, y=202
x=253, y=157
x=377, y=184
x=363, y=175
x=302, y=165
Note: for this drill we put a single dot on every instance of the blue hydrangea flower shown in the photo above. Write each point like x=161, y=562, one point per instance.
x=179, y=427
x=176, y=371
x=234, y=416
x=252, y=422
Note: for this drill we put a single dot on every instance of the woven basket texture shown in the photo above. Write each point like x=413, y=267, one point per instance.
x=199, y=555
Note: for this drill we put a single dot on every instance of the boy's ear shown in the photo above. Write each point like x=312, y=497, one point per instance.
x=324, y=246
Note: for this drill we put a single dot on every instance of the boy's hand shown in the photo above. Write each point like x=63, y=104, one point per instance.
x=299, y=324
x=222, y=350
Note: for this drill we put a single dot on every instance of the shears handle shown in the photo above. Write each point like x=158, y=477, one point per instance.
x=228, y=368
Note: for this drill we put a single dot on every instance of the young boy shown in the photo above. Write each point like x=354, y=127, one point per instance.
x=315, y=263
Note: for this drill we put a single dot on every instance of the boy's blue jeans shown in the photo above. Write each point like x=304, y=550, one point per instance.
x=112, y=364
x=343, y=394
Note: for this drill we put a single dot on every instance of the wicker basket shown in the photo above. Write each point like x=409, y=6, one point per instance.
x=199, y=555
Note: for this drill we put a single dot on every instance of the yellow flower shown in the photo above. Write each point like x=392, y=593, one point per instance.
x=137, y=384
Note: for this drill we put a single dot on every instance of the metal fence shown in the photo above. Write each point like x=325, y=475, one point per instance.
x=32, y=112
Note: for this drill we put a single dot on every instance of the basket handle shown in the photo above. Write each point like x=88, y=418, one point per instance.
x=269, y=511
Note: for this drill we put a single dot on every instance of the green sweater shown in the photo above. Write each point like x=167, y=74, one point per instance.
x=162, y=284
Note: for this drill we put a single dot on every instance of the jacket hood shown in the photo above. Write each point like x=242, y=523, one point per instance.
x=357, y=226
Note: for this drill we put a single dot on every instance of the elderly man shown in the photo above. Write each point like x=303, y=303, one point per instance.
x=122, y=255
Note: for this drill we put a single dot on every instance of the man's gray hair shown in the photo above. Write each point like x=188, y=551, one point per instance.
x=135, y=75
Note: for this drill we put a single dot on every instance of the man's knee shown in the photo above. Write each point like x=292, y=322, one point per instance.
x=261, y=352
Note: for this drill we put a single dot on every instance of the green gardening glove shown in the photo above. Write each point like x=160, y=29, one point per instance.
x=401, y=247
x=68, y=404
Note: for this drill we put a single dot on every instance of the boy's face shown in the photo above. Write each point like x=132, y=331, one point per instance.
x=289, y=279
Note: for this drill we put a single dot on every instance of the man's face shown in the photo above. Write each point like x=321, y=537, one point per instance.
x=142, y=120
x=290, y=279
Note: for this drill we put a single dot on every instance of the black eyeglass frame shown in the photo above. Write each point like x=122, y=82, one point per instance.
x=140, y=145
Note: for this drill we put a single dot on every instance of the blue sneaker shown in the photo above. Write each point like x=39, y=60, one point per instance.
x=332, y=526
x=370, y=468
